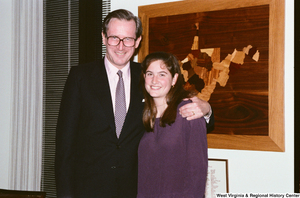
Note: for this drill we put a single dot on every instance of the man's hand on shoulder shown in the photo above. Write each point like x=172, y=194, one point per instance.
x=197, y=109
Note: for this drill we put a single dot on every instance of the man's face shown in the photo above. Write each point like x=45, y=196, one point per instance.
x=120, y=55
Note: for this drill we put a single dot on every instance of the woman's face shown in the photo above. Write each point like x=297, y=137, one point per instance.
x=158, y=81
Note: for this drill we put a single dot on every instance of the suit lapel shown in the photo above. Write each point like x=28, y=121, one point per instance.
x=135, y=107
x=99, y=82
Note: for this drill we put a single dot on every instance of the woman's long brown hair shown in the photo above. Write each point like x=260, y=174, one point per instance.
x=174, y=96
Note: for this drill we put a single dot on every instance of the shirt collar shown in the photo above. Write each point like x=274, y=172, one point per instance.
x=112, y=70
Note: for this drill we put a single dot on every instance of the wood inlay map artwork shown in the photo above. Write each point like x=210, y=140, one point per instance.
x=202, y=68
x=239, y=67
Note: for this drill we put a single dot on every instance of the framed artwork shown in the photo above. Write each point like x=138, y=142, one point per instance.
x=232, y=54
x=217, y=177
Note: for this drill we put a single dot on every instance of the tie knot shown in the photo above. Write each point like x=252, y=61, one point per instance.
x=120, y=73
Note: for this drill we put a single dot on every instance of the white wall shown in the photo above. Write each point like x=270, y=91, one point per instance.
x=5, y=87
x=256, y=171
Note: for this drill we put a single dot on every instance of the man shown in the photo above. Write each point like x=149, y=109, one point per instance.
x=91, y=159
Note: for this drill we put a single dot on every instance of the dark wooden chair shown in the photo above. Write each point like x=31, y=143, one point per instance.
x=21, y=194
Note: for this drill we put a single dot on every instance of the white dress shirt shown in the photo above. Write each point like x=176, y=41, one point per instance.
x=113, y=79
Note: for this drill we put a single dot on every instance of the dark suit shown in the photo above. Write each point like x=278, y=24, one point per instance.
x=90, y=160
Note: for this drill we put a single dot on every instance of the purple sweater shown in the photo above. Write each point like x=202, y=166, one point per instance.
x=173, y=160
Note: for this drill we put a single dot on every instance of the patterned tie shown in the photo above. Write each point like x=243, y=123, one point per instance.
x=120, y=105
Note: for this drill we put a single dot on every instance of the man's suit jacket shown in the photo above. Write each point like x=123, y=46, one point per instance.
x=90, y=160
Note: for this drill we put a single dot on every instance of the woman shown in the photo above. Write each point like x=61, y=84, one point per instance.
x=173, y=152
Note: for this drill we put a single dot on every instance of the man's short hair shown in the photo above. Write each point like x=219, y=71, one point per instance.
x=122, y=14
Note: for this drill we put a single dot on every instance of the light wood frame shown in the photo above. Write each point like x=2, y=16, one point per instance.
x=275, y=140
